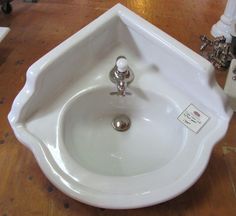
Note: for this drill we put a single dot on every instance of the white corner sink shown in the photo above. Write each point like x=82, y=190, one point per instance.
x=64, y=114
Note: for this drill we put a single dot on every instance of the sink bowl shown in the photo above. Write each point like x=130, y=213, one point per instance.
x=96, y=146
x=64, y=114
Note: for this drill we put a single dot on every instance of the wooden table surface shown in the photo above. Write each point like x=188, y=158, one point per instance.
x=36, y=29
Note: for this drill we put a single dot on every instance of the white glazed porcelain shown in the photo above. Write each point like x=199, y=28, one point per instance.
x=64, y=113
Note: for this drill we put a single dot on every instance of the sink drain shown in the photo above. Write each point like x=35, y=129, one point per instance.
x=121, y=123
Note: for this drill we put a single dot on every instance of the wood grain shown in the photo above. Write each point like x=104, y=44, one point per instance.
x=36, y=29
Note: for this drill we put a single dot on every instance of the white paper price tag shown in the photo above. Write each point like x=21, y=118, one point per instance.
x=193, y=118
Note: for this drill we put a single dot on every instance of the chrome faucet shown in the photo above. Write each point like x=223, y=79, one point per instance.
x=122, y=76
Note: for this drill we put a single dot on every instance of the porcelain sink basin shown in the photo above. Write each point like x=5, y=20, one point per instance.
x=96, y=146
x=177, y=111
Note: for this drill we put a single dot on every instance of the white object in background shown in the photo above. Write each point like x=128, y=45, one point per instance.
x=230, y=85
x=223, y=26
x=3, y=32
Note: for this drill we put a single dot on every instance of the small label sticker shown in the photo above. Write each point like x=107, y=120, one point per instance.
x=193, y=118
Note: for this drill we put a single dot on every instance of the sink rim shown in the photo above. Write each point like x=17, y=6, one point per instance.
x=60, y=178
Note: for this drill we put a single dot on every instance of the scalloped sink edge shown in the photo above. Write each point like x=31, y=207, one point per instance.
x=179, y=70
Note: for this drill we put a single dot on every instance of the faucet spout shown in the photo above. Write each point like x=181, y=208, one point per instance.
x=121, y=87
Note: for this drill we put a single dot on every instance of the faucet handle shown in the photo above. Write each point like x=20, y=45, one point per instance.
x=122, y=65
x=122, y=76
x=118, y=94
